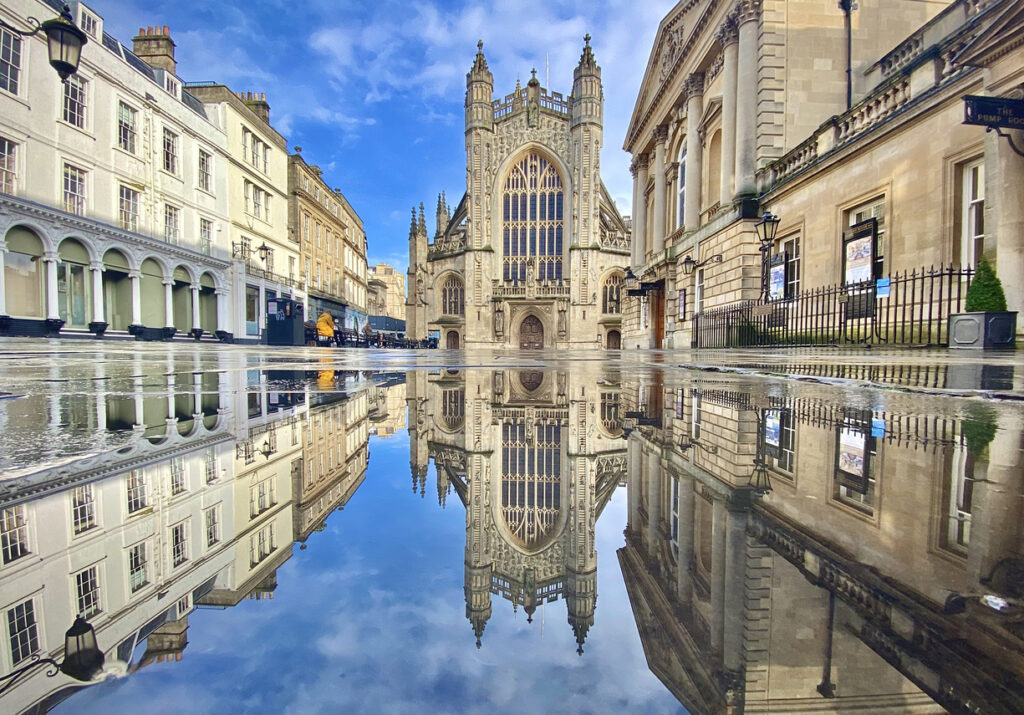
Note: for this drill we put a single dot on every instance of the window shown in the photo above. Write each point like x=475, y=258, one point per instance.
x=610, y=293
x=179, y=544
x=532, y=220
x=453, y=297
x=779, y=439
x=74, y=101
x=74, y=190
x=291, y=267
x=212, y=468
x=972, y=233
x=128, y=208
x=87, y=588
x=317, y=234
x=261, y=497
x=205, y=171
x=211, y=518
x=14, y=533
x=261, y=545
x=83, y=509
x=137, y=567
x=171, y=85
x=305, y=227
x=205, y=236
x=22, y=630
x=257, y=201
x=177, y=475
x=126, y=122
x=138, y=497
x=10, y=61
x=791, y=251
x=681, y=183
x=698, y=292
x=172, y=217
x=170, y=151
x=89, y=24
x=8, y=156
x=856, y=453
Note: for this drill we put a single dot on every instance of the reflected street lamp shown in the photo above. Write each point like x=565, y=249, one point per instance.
x=766, y=229
x=83, y=659
x=63, y=39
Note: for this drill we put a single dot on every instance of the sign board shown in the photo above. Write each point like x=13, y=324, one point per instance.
x=852, y=460
x=994, y=112
x=882, y=287
x=777, y=277
x=859, y=251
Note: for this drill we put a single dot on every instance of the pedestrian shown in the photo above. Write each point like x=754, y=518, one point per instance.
x=325, y=328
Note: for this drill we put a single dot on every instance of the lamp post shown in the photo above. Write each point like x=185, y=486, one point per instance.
x=766, y=229
x=759, y=481
x=63, y=39
x=83, y=659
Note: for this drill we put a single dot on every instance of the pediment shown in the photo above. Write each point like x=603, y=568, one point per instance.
x=1003, y=31
x=672, y=43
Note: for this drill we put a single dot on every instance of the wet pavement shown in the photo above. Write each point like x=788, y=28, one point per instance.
x=314, y=530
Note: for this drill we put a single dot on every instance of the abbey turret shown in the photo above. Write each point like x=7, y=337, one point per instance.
x=534, y=254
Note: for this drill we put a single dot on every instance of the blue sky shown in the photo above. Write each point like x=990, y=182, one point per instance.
x=373, y=91
x=370, y=617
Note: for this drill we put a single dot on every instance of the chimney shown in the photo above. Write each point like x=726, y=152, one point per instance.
x=154, y=46
x=257, y=102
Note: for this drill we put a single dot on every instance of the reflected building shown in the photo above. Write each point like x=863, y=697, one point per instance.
x=190, y=498
x=533, y=461
x=786, y=553
x=387, y=406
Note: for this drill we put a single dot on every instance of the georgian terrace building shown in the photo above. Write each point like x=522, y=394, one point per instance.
x=112, y=190
x=755, y=105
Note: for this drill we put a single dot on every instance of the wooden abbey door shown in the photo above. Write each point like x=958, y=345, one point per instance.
x=531, y=334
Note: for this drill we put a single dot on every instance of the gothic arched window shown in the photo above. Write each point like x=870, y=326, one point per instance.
x=453, y=297
x=532, y=220
x=531, y=479
x=610, y=293
x=453, y=408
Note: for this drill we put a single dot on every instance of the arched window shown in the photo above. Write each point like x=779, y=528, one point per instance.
x=453, y=297
x=681, y=183
x=532, y=222
x=531, y=479
x=453, y=408
x=610, y=294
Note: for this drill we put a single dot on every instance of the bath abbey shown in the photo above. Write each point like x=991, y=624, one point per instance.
x=534, y=254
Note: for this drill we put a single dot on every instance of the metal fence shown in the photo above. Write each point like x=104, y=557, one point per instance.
x=909, y=308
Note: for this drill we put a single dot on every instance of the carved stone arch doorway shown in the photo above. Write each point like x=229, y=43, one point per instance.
x=531, y=333
x=452, y=340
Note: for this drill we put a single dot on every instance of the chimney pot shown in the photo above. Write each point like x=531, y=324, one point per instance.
x=142, y=31
x=167, y=30
x=149, y=29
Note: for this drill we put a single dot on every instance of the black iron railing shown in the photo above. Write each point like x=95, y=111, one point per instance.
x=909, y=308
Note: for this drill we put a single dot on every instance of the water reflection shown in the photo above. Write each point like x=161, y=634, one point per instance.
x=534, y=463
x=788, y=546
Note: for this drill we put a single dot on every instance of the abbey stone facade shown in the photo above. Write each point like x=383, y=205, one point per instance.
x=534, y=254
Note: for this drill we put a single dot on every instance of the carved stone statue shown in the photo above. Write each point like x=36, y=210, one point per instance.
x=561, y=321
x=499, y=323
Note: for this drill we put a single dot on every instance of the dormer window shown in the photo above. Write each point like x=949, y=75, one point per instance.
x=89, y=24
x=172, y=85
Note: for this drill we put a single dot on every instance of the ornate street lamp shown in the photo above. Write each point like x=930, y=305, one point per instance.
x=63, y=39
x=83, y=659
x=766, y=228
x=266, y=450
x=264, y=250
x=686, y=442
x=629, y=280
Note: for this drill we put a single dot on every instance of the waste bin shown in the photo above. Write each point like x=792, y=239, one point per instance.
x=285, y=322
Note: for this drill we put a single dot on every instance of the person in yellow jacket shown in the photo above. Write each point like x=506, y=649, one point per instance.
x=325, y=328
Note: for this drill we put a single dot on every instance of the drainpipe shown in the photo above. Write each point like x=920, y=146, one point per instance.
x=848, y=6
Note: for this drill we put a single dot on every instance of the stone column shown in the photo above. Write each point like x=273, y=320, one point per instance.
x=747, y=19
x=52, y=308
x=633, y=467
x=136, y=278
x=97, y=292
x=735, y=583
x=3, y=283
x=718, y=560
x=728, y=37
x=640, y=217
x=684, y=560
x=653, y=503
x=195, y=307
x=634, y=245
x=658, y=239
x=694, y=149
x=168, y=304
x=223, y=322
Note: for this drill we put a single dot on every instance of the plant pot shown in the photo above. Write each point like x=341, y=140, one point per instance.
x=983, y=330
x=98, y=327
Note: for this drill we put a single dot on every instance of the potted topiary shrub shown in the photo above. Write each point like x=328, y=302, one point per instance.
x=987, y=323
